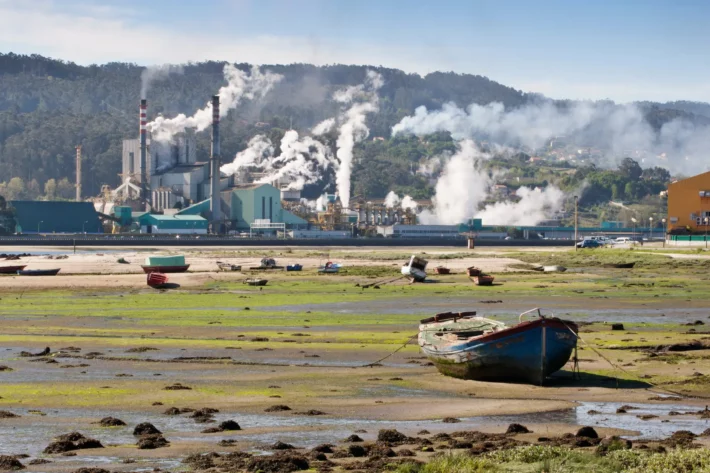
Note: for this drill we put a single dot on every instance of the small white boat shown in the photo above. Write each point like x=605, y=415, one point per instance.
x=415, y=270
x=554, y=269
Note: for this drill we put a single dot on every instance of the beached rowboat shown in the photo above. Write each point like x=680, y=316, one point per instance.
x=11, y=269
x=463, y=345
x=38, y=272
x=483, y=280
x=442, y=270
x=256, y=282
x=157, y=280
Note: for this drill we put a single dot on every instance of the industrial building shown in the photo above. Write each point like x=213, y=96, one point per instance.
x=55, y=217
x=419, y=231
x=173, y=224
x=689, y=204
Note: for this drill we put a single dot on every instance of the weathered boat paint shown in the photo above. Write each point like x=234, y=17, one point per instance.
x=415, y=270
x=528, y=352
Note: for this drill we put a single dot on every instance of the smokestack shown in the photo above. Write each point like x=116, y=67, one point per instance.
x=144, y=151
x=215, y=199
x=78, y=173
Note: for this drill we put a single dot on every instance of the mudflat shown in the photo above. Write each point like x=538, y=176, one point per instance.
x=312, y=359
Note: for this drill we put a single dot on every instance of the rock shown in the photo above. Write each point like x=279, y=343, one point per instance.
x=282, y=446
x=87, y=443
x=281, y=462
x=229, y=425
x=38, y=461
x=277, y=408
x=145, y=428
x=323, y=448
x=405, y=453
x=91, y=470
x=177, y=387
x=173, y=411
x=7, y=415
x=517, y=429
x=151, y=442
x=59, y=446
x=227, y=443
x=212, y=430
x=311, y=412
x=5, y=368
x=621, y=410
x=111, y=422
x=8, y=463
x=587, y=432
x=450, y=420
x=705, y=433
x=381, y=450
x=199, y=461
x=423, y=432
x=357, y=451
x=617, y=326
x=613, y=443
x=354, y=438
x=391, y=436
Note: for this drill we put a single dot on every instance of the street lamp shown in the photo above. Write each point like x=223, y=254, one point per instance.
x=650, y=228
x=705, y=221
x=38, y=224
x=83, y=227
x=576, y=202
x=664, y=232
x=634, y=220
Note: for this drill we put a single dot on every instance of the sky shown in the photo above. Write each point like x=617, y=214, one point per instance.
x=623, y=50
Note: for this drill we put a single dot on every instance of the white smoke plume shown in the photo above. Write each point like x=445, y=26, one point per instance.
x=155, y=73
x=392, y=201
x=430, y=167
x=302, y=160
x=620, y=129
x=464, y=186
x=353, y=128
x=240, y=86
x=323, y=127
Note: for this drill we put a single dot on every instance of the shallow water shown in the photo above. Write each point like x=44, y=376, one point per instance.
x=32, y=433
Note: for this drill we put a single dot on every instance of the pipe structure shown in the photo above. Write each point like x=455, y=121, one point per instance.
x=215, y=198
x=78, y=173
x=144, y=152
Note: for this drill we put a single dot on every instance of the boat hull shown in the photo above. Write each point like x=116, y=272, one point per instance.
x=414, y=274
x=294, y=267
x=528, y=352
x=165, y=269
x=441, y=270
x=157, y=280
x=39, y=272
x=11, y=269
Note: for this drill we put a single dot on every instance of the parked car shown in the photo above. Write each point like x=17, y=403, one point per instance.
x=589, y=243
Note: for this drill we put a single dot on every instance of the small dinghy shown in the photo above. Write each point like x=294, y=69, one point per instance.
x=415, y=270
x=465, y=346
x=483, y=280
x=329, y=268
x=38, y=272
x=473, y=271
x=229, y=267
x=157, y=280
x=11, y=269
x=266, y=264
x=554, y=269
x=442, y=270
x=294, y=267
x=256, y=282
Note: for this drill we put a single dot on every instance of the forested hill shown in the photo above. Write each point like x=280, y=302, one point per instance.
x=48, y=106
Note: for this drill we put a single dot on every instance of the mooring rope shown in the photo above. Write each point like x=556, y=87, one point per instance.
x=633, y=375
x=370, y=365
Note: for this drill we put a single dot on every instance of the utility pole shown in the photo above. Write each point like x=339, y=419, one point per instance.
x=576, y=202
x=78, y=173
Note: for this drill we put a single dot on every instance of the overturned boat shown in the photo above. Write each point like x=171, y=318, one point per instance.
x=415, y=270
x=465, y=346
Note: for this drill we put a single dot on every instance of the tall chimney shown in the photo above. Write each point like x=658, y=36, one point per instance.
x=78, y=173
x=215, y=198
x=144, y=151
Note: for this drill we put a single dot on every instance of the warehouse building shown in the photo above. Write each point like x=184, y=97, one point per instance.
x=55, y=217
x=689, y=204
x=173, y=224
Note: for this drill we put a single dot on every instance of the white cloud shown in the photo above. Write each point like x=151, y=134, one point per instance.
x=83, y=32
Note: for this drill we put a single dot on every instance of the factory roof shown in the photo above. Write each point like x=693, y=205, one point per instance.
x=252, y=185
x=191, y=218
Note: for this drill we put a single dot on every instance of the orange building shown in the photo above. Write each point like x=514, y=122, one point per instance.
x=689, y=203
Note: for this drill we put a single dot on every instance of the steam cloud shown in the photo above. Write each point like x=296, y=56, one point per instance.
x=464, y=185
x=618, y=128
x=155, y=73
x=301, y=162
x=303, y=159
x=353, y=128
x=240, y=86
x=392, y=201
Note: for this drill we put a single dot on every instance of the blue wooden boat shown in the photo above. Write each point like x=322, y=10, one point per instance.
x=465, y=346
x=294, y=267
x=38, y=272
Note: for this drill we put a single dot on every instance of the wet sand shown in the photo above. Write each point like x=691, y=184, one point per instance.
x=314, y=357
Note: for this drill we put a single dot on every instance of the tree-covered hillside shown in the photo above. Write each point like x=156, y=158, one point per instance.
x=48, y=106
